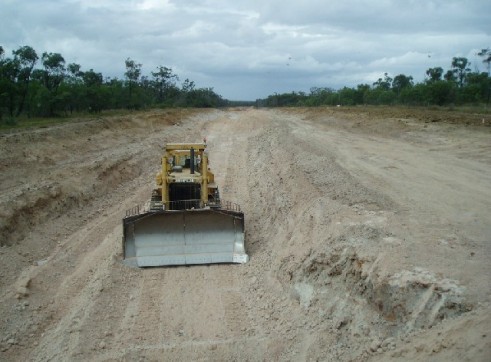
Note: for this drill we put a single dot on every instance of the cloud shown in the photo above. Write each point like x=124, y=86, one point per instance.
x=249, y=49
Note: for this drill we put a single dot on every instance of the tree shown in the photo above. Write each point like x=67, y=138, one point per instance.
x=133, y=72
x=26, y=58
x=94, y=97
x=204, y=97
x=415, y=95
x=51, y=78
x=449, y=76
x=187, y=86
x=400, y=82
x=383, y=84
x=54, y=71
x=347, y=96
x=460, y=68
x=379, y=95
x=361, y=90
x=15, y=76
x=164, y=80
x=486, y=55
x=92, y=78
x=9, y=71
x=441, y=92
x=476, y=88
x=72, y=90
x=434, y=74
x=75, y=70
x=115, y=93
x=319, y=96
x=56, y=86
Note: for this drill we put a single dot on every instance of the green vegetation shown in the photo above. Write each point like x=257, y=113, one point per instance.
x=458, y=86
x=45, y=86
x=57, y=89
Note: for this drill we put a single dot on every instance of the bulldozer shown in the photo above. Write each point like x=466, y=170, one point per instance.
x=185, y=222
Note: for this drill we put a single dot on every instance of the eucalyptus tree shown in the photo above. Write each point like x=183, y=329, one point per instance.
x=383, y=84
x=15, y=77
x=26, y=58
x=164, y=80
x=94, y=94
x=9, y=70
x=434, y=74
x=486, y=55
x=400, y=82
x=132, y=74
x=460, y=69
x=50, y=77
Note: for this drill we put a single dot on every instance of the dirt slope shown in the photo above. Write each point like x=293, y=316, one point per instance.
x=368, y=230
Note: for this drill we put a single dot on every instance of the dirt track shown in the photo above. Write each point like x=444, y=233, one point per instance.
x=369, y=234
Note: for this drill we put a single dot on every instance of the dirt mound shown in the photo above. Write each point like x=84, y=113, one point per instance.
x=48, y=171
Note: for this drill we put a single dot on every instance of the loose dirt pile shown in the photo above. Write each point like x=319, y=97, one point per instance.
x=368, y=231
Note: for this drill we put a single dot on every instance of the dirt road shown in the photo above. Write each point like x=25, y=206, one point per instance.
x=369, y=232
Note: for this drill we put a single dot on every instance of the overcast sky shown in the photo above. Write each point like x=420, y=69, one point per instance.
x=248, y=49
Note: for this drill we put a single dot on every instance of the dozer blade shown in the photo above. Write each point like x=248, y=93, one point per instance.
x=184, y=237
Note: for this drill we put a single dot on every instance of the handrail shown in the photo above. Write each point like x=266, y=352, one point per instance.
x=186, y=205
x=135, y=210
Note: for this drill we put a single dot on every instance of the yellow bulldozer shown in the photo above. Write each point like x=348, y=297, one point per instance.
x=185, y=222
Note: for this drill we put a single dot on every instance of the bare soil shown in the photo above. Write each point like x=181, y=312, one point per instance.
x=369, y=232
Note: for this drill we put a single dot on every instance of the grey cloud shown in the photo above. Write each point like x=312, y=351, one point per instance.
x=249, y=49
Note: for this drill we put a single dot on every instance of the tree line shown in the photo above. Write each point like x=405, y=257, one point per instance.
x=458, y=85
x=46, y=85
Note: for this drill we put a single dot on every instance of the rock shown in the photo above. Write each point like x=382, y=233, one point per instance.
x=22, y=287
x=102, y=345
x=40, y=262
x=21, y=292
x=388, y=343
x=374, y=345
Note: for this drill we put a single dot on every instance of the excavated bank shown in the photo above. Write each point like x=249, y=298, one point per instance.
x=335, y=269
